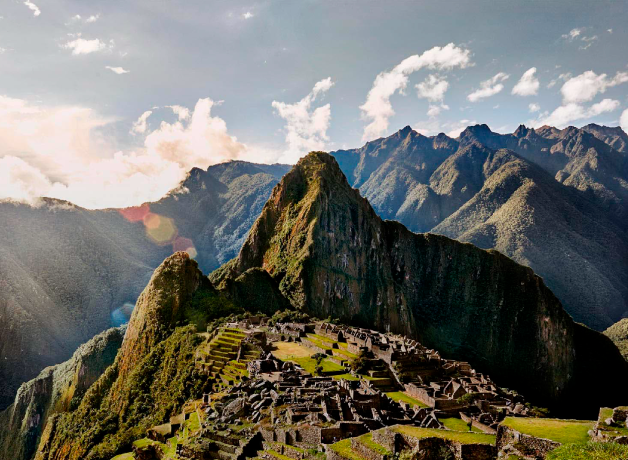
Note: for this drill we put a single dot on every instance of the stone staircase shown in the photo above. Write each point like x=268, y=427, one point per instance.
x=225, y=357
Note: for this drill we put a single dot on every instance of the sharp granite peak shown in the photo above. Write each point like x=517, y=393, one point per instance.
x=332, y=255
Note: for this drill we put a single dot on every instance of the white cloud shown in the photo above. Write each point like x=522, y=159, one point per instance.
x=57, y=152
x=578, y=35
x=528, y=85
x=452, y=129
x=568, y=113
x=82, y=46
x=247, y=15
x=610, y=31
x=182, y=112
x=88, y=20
x=433, y=88
x=118, y=70
x=573, y=34
x=306, y=130
x=562, y=76
x=377, y=109
x=2, y=50
x=489, y=87
x=141, y=124
x=623, y=120
x=533, y=107
x=587, y=85
x=34, y=8
x=20, y=181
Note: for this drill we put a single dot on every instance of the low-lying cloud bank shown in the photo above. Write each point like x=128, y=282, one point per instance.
x=57, y=152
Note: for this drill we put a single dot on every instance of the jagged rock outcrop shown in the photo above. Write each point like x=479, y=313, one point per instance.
x=534, y=195
x=56, y=389
x=332, y=255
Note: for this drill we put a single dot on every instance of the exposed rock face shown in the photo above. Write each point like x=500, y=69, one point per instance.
x=331, y=254
x=554, y=194
x=65, y=270
x=56, y=389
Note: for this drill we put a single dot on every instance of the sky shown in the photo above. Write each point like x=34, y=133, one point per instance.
x=110, y=103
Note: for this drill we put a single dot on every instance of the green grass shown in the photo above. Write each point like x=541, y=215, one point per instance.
x=590, y=451
x=346, y=376
x=367, y=440
x=144, y=442
x=127, y=456
x=457, y=424
x=309, y=365
x=319, y=344
x=456, y=436
x=401, y=396
x=194, y=423
x=278, y=455
x=344, y=449
x=563, y=431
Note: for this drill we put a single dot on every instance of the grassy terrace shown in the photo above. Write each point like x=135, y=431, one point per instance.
x=344, y=449
x=456, y=436
x=367, y=440
x=127, y=456
x=276, y=454
x=590, y=451
x=563, y=431
x=309, y=365
x=457, y=424
x=401, y=396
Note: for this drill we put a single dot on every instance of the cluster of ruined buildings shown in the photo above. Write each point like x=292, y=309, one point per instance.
x=279, y=403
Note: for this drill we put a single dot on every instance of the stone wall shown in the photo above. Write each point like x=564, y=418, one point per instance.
x=512, y=442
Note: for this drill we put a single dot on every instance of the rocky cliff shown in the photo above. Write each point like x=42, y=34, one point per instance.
x=56, y=389
x=330, y=254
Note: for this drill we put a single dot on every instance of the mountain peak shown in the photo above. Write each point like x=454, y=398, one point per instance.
x=331, y=255
x=521, y=131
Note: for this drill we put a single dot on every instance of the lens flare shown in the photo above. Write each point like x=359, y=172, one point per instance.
x=122, y=315
x=135, y=213
x=162, y=230
x=186, y=245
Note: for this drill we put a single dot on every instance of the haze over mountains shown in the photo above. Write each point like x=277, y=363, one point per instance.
x=67, y=272
x=551, y=199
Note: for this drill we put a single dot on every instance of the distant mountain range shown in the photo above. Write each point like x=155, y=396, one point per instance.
x=554, y=200
x=66, y=273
